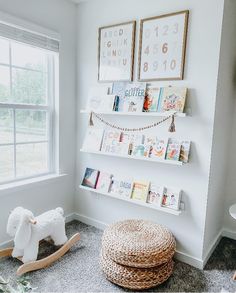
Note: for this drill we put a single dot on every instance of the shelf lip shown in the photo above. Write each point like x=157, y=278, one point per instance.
x=178, y=163
x=144, y=114
x=143, y=204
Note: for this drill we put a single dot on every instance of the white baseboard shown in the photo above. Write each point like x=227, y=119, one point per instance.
x=90, y=221
x=190, y=260
x=229, y=234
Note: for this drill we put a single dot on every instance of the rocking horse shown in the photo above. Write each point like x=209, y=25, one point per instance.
x=28, y=231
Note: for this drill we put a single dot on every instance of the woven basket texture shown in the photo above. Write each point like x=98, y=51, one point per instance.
x=138, y=243
x=135, y=278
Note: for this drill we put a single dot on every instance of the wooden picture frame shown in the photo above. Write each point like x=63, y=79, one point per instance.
x=162, y=47
x=116, y=45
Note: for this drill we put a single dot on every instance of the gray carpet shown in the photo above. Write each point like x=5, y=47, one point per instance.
x=78, y=270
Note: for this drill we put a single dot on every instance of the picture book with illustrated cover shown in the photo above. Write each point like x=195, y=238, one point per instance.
x=93, y=138
x=171, y=198
x=151, y=99
x=118, y=89
x=155, y=194
x=141, y=150
x=94, y=97
x=172, y=99
x=149, y=139
x=184, y=151
x=119, y=148
x=90, y=178
x=121, y=187
x=104, y=182
x=158, y=148
x=173, y=150
x=140, y=190
x=110, y=138
x=134, y=97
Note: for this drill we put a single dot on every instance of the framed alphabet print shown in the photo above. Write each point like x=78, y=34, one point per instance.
x=116, y=52
x=162, y=47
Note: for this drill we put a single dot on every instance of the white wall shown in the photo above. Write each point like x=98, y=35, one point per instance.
x=59, y=16
x=203, y=47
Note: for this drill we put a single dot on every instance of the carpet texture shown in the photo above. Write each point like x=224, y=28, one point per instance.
x=79, y=271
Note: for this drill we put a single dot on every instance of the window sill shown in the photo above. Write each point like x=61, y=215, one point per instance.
x=29, y=183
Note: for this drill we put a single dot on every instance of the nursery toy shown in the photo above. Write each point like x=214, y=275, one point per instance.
x=28, y=231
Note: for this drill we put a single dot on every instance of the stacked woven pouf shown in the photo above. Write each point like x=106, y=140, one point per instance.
x=137, y=254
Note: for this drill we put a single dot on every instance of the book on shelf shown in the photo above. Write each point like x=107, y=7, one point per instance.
x=155, y=194
x=173, y=149
x=140, y=190
x=93, y=138
x=184, y=151
x=121, y=187
x=151, y=99
x=110, y=138
x=141, y=150
x=104, y=182
x=134, y=97
x=118, y=148
x=158, y=148
x=94, y=97
x=171, y=198
x=90, y=178
x=118, y=89
x=172, y=99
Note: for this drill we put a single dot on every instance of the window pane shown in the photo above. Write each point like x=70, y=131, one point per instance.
x=6, y=163
x=31, y=159
x=28, y=87
x=4, y=83
x=28, y=56
x=6, y=126
x=31, y=125
x=4, y=49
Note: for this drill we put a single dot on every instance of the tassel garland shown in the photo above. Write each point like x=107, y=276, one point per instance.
x=172, y=125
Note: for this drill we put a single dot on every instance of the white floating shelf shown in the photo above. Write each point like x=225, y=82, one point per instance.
x=140, y=203
x=133, y=157
x=144, y=114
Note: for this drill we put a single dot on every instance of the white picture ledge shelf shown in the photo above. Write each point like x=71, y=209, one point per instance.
x=144, y=204
x=144, y=114
x=178, y=163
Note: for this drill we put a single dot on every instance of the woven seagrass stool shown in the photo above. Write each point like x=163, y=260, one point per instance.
x=137, y=254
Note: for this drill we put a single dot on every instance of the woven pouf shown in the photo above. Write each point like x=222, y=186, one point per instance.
x=135, y=278
x=138, y=243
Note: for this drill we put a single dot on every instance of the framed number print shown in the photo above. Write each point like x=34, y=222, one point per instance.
x=116, y=52
x=162, y=46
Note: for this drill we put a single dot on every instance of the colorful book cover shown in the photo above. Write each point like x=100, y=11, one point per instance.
x=104, y=182
x=90, y=178
x=110, y=138
x=118, y=89
x=171, y=198
x=151, y=99
x=95, y=97
x=140, y=190
x=172, y=99
x=134, y=97
x=184, y=151
x=132, y=139
x=173, y=150
x=122, y=187
x=93, y=138
x=155, y=194
x=158, y=149
x=141, y=150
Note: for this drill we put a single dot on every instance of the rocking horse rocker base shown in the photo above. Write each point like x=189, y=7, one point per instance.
x=45, y=262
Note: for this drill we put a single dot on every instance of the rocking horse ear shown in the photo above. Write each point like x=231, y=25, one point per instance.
x=23, y=232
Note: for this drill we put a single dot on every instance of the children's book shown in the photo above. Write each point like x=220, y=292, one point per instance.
x=158, y=148
x=173, y=150
x=184, y=151
x=93, y=138
x=132, y=139
x=155, y=194
x=107, y=103
x=104, y=182
x=121, y=187
x=141, y=150
x=134, y=97
x=119, y=148
x=172, y=99
x=90, y=178
x=151, y=99
x=140, y=190
x=110, y=138
x=171, y=198
x=94, y=97
x=118, y=89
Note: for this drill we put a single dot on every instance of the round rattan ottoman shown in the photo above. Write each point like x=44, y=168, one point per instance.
x=137, y=254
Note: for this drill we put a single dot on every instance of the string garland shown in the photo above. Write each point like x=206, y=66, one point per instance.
x=171, y=128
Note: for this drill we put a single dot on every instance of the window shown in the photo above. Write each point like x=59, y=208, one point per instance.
x=27, y=94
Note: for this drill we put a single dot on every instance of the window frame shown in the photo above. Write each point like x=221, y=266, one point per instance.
x=49, y=108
